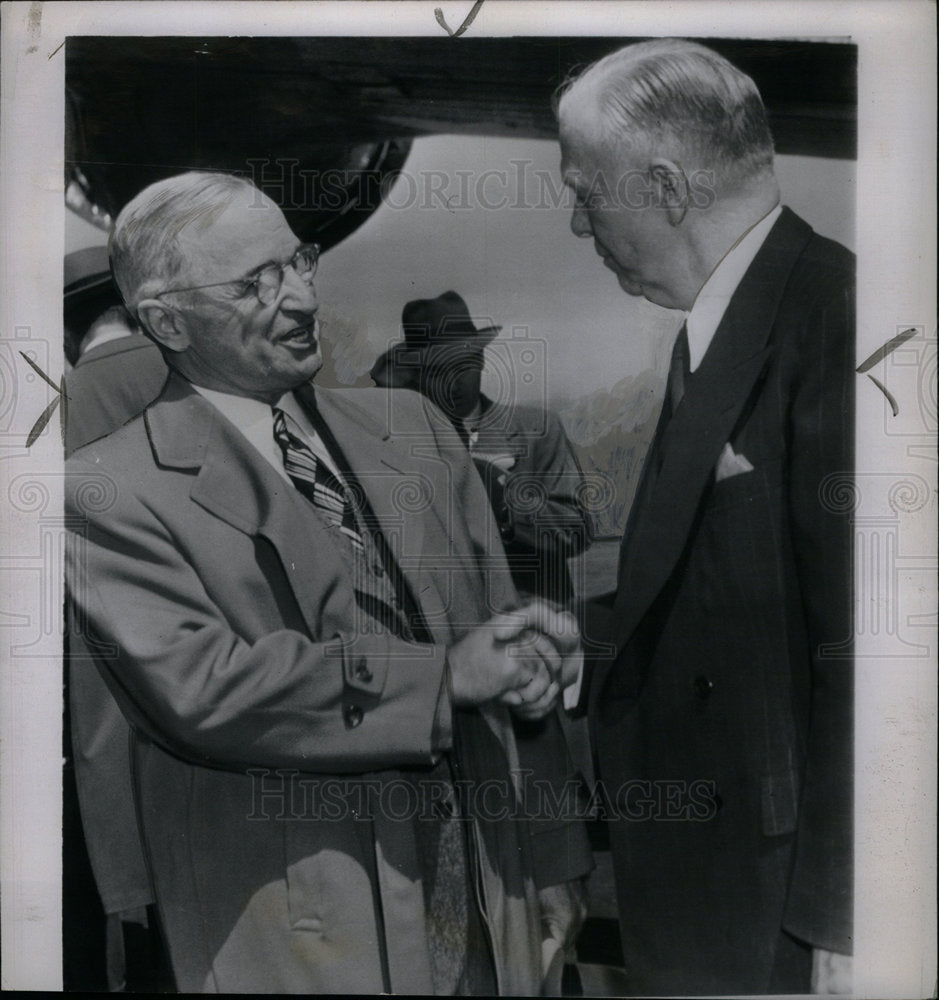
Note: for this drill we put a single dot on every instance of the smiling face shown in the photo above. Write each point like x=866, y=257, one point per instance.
x=619, y=207
x=230, y=341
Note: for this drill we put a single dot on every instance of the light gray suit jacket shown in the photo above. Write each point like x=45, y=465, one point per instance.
x=225, y=623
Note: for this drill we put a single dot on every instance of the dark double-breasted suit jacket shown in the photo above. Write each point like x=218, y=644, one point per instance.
x=723, y=719
x=276, y=729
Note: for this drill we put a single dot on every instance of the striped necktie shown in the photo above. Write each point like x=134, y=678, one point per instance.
x=446, y=881
x=316, y=481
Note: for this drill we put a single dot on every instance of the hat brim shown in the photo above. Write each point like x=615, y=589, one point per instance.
x=398, y=367
x=481, y=338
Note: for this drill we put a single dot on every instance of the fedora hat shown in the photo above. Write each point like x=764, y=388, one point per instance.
x=443, y=320
x=428, y=324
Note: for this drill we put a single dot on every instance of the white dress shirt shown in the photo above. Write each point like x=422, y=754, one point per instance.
x=715, y=294
x=471, y=425
x=256, y=421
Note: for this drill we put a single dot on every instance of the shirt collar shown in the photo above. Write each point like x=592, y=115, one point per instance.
x=243, y=412
x=715, y=294
x=255, y=420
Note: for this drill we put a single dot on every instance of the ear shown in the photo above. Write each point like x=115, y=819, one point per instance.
x=671, y=188
x=165, y=325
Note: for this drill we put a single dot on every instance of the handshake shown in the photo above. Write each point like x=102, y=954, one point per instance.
x=522, y=658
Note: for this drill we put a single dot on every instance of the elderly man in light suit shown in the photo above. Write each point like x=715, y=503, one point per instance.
x=298, y=599
x=723, y=719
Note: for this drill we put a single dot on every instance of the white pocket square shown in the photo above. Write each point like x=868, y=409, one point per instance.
x=731, y=464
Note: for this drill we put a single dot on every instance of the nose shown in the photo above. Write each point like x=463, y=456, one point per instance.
x=297, y=293
x=580, y=223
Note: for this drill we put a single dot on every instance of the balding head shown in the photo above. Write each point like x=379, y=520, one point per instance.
x=666, y=148
x=221, y=283
x=677, y=99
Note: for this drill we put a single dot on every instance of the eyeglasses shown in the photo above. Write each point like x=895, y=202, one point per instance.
x=266, y=283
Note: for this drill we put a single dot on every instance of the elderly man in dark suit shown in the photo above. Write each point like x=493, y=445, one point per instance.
x=723, y=719
x=299, y=601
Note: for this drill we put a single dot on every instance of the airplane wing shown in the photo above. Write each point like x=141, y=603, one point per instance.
x=321, y=124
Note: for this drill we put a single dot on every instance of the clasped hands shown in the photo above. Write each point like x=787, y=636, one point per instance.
x=522, y=658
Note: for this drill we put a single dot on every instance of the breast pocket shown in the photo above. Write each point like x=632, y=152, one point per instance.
x=760, y=485
x=739, y=550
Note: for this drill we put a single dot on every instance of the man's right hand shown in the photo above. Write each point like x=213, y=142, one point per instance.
x=517, y=657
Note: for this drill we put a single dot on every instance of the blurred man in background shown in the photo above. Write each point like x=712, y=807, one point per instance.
x=535, y=484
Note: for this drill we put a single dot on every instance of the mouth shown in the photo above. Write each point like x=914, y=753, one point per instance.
x=301, y=337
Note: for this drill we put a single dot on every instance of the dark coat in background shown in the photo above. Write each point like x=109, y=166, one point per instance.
x=541, y=508
x=109, y=385
x=723, y=720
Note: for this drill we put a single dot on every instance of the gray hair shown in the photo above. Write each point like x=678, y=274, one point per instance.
x=680, y=99
x=144, y=246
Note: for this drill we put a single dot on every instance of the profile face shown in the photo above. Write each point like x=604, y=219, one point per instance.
x=237, y=344
x=618, y=208
x=452, y=377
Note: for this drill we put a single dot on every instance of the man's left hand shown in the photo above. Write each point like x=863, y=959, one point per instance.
x=563, y=911
x=831, y=972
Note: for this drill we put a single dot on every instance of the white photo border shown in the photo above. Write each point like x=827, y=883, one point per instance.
x=896, y=199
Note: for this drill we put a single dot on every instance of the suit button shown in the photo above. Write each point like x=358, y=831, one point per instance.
x=703, y=686
x=362, y=672
x=352, y=715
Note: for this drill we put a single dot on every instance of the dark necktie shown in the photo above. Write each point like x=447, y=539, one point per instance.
x=680, y=368
x=316, y=481
x=679, y=371
x=678, y=375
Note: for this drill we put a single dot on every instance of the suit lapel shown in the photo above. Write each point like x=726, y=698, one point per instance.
x=239, y=486
x=399, y=485
x=715, y=397
x=375, y=458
